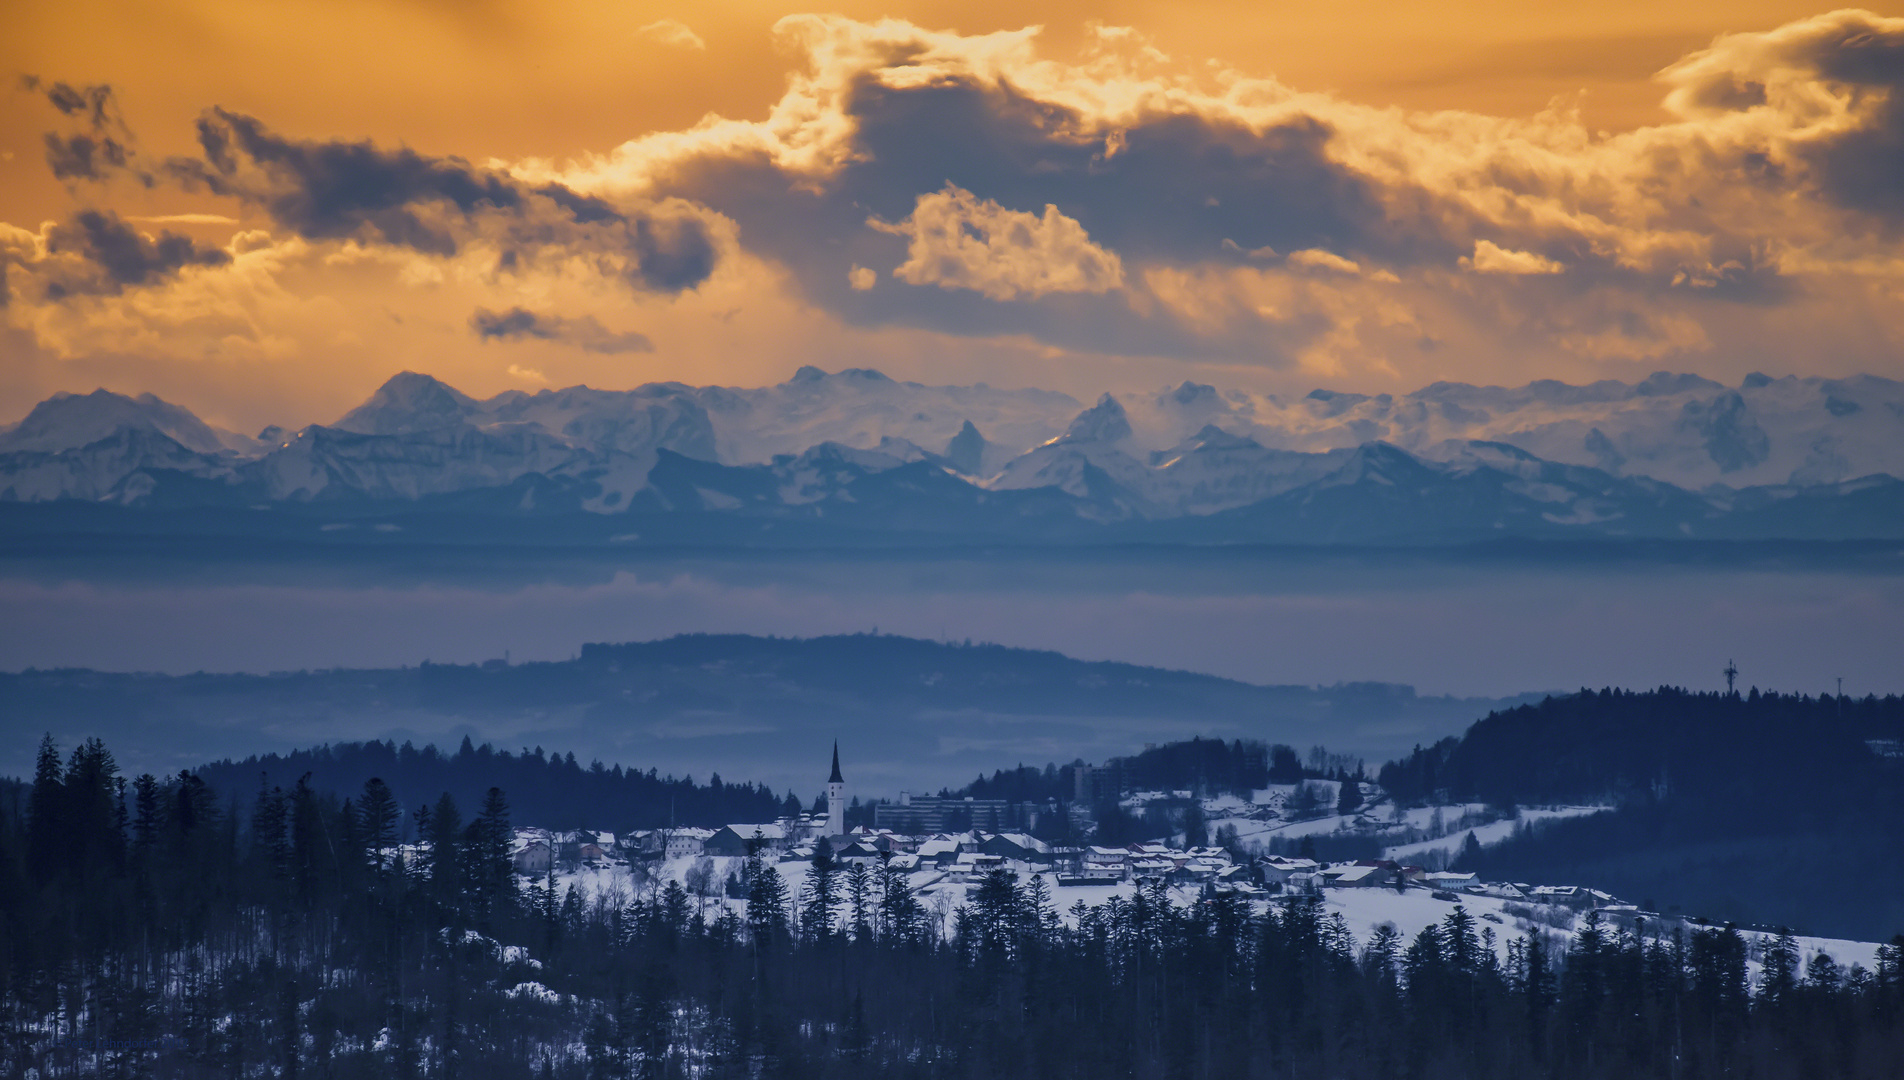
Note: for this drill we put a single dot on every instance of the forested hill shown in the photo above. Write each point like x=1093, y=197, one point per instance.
x=904, y=710
x=1619, y=743
x=553, y=791
x=1768, y=807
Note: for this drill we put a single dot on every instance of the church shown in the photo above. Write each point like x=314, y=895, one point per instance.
x=835, y=797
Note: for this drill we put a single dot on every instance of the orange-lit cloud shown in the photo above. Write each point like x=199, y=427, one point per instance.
x=948, y=204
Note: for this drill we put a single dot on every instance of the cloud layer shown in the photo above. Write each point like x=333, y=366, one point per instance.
x=913, y=189
x=517, y=324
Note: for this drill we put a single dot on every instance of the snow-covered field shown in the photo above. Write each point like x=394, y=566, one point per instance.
x=1491, y=833
x=1362, y=910
x=1424, y=835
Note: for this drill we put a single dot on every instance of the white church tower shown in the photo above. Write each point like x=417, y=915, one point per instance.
x=835, y=797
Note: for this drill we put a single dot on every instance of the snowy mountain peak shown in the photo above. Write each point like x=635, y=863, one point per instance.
x=1104, y=422
x=1211, y=437
x=1660, y=383
x=808, y=375
x=1189, y=393
x=409, y=403
x=70, y=421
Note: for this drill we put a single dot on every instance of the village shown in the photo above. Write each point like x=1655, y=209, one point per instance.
x=933, y=841
x=965, y=858
x=1260, y=847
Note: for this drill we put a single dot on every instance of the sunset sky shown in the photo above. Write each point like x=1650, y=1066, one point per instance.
x=262, y=211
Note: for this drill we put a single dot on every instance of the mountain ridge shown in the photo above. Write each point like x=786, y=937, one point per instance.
x=1191, y=463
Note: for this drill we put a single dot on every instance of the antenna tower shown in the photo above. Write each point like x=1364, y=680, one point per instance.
x=1731, y=673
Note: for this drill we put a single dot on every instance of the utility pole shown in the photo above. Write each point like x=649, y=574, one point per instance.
x=1731, y=673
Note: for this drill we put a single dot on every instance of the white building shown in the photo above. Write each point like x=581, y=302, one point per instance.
x=686, y=843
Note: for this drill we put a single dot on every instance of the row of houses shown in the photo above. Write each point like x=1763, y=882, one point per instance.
x=1307, y=875
x=966, y=854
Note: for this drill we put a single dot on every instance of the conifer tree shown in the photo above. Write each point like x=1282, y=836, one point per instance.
x=377, y=817
x=822, y=894
x=766, y=905
x=1349, y=799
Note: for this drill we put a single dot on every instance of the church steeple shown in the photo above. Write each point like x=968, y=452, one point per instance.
x=835, y=797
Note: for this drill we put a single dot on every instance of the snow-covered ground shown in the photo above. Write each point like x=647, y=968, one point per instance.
x=1362, y=910
x=1424, y=835
x=1491, y=833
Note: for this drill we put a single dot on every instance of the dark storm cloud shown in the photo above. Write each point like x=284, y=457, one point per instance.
x=584, y=332
x=1193, y=187
x=104, y=255
x=1171, y=188
x=103, y=149
x=336, y=190
x=1864, y=169
x=94, y=103
x=1853, y=155
x=84, y=157
x=1174, y=190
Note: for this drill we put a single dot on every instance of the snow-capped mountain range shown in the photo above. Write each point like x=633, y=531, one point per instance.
x=1672, y=455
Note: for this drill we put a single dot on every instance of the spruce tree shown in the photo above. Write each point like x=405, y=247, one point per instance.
x=766, y=905
x=822, y=894
x=377, y=817
x=1349, y=798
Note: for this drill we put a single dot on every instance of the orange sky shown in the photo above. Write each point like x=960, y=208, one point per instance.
x=294, y=327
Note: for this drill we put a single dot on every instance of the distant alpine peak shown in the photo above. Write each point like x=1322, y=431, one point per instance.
x=1186, y=448
x=70, y=421
x=409, y=402
x=810, y=375
x=1104, y=422
x=1211, y=437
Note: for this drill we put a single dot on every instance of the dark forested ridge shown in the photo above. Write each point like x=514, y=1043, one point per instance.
x=151, y=929
x=552, y=790
x=1774, y=807
x=761, y=707
x=1618, y=743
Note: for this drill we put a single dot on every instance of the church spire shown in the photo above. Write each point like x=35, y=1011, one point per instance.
x=835, y=797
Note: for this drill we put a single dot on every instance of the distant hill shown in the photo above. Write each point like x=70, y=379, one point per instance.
x=909, y=714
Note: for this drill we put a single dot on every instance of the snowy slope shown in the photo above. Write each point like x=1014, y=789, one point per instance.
x=1680, y=429
x=71, y=421
x=859, y=408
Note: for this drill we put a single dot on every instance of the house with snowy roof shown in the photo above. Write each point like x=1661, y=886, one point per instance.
x=1356, y=877
x=1021, y=847
x=1105, y=863
x=531, y=855
x=686, y=843
x=740, y=840
x=1277, y=870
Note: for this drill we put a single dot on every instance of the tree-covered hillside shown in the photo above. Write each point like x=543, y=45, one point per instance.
x=1772, y=807
x=159, y=928
x=550, y=790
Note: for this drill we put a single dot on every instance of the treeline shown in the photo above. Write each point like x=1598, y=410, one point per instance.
x=152, y=931
x=549, y=790
x=1204, y=766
